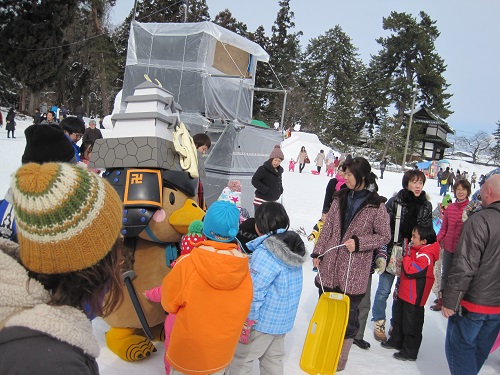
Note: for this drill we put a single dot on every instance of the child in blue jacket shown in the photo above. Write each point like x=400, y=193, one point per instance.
x=276, y=270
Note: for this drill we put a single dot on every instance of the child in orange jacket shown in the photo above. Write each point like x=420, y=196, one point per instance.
x=210, y=291
x=188, y=242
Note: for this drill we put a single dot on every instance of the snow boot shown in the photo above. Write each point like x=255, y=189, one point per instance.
x=379, y=330
x=362, y=344
x=344, y=354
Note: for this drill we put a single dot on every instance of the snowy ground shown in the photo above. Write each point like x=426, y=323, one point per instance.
x=303, y=199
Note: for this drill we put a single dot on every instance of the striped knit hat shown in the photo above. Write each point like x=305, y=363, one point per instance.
x=68, y=218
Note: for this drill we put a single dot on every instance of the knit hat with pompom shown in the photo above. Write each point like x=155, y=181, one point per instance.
x=221, y=221
x=193, y=236
x=277, y=153
x=67, y=218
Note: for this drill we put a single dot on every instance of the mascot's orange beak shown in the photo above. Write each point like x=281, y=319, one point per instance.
x=182, y=217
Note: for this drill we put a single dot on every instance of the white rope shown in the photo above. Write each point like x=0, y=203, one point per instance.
x=182, y=69
x=348, y=268
x=321, y=282
x=276, y=75
x=330, y=249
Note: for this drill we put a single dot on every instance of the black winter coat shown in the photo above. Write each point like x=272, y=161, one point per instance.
x=91, y=134
x=37, y=119
x=267, y=182
x=25, y=351
x=330, y=190
x=10, y=120
x=406, y=198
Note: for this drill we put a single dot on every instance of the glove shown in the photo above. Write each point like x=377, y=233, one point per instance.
x=245, y=332
x=380, y=263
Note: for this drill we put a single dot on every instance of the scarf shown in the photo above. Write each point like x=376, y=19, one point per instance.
x=413, y=206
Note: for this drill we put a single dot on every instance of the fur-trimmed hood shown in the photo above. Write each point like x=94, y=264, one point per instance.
x=23, y=303
x=286, y=246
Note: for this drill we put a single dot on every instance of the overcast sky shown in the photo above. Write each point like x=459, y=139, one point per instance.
x=469, y=42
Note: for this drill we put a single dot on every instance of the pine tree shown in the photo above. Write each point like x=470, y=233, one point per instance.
x=408, y=57
x=285, y=53
x=374, y=103
x=226, y=20
x=332, y=75
x=8, y=87
x=170, y=11
x=34, y=49
x=198, y=11
x=264, y=75
x=496, y=147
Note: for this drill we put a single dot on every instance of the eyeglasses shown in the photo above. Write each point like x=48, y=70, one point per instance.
x=78, y=135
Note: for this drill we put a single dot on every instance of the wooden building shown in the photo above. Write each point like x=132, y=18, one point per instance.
x=434, y=131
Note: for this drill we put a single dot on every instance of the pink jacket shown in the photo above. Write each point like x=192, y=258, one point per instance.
x=452, y=225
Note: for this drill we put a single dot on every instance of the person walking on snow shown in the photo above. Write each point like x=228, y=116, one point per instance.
x=301, y=158
x=383, y=164
x=444, y=182
x=439, y=176
x=10, y=121
x=320, y=160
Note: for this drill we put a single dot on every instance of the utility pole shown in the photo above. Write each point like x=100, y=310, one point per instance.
x=135, y=9
x=409, y=127
x=186, y=10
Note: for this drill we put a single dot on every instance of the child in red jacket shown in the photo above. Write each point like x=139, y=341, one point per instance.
x=415, y=284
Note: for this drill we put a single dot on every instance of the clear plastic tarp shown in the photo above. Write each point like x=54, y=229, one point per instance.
x=235, y=155
x=208, y=69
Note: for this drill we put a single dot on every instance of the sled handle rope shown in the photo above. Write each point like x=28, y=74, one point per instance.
x=330, y=249
x=348, y=270
x=315, y=269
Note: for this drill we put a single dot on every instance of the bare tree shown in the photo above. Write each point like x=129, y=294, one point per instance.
x=477, y=144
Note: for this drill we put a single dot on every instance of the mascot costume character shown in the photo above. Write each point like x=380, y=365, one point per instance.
x=151, y=161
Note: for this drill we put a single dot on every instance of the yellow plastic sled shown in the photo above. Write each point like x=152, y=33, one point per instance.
x=325, y=335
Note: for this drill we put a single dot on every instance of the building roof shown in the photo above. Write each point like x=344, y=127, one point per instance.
x=436, y=139
x=424, y=115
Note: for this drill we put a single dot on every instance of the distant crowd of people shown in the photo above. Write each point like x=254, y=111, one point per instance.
x=446, y=179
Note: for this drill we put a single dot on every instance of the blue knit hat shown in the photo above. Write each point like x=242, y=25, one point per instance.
x=221, y=221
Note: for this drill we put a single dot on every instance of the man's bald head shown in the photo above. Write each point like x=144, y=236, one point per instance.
x=490, y=191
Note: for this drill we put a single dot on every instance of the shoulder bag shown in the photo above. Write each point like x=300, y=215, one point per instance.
x=396, y=260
